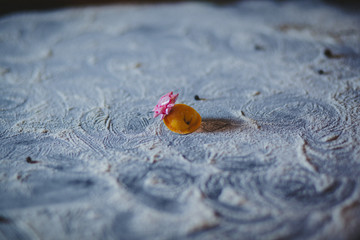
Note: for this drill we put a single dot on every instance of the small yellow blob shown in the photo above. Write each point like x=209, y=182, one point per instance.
x=182, y=119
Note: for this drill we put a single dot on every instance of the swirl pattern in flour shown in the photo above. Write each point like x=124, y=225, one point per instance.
x=321, y=126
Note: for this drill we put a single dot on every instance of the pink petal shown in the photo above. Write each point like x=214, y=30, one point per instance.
x=165, y=104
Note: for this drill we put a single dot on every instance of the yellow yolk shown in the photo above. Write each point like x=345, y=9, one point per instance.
x=182, y=119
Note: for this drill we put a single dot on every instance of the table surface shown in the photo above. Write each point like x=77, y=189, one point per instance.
x=277, y=155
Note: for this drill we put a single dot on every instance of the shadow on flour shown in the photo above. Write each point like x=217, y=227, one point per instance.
x=219, y=125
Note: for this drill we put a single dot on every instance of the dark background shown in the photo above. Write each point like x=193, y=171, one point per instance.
x=10, y=6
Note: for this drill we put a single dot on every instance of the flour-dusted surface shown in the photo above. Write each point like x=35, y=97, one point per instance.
x=277, y=155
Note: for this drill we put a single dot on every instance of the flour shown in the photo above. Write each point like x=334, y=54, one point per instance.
x=277, y=154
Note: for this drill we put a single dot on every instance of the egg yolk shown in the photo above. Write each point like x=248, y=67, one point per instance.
x=182, y=119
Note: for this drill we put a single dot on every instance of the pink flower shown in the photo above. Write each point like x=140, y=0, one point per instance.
x=165, y=104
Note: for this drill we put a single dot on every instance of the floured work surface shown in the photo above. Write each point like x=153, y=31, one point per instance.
x=277, y=155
